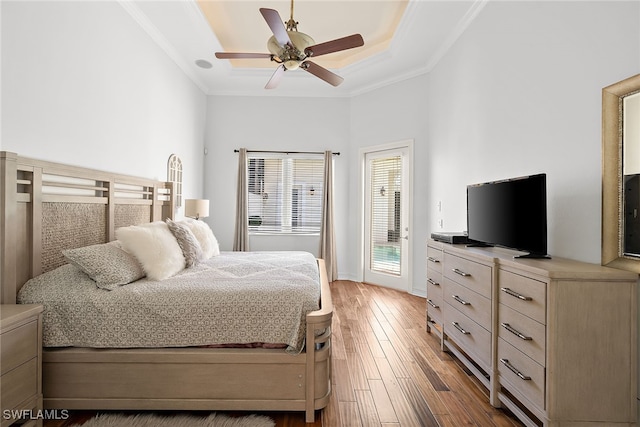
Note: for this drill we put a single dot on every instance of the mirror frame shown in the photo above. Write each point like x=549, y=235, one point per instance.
x=612, y=203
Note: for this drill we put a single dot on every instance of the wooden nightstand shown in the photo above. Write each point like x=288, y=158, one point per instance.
x=21, y=363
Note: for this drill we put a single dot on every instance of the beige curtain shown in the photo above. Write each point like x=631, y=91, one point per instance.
x=241, y=235
x=327, y=234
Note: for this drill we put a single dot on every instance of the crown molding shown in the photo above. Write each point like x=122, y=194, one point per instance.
x=442, y=50
x=157, y=36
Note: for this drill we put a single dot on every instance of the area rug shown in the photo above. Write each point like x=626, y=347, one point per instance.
x=155, y=420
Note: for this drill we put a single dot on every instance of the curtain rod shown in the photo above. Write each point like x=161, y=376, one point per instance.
x=285, y=152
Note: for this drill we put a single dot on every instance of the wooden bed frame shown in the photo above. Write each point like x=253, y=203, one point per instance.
x=46, y=207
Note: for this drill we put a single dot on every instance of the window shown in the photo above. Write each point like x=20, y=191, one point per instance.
x=174, y=174
x=285, y=193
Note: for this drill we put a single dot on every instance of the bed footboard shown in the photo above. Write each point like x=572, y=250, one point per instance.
x=196, y=378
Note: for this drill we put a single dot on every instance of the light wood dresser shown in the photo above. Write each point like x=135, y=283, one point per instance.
x=21, y=363
x=554, y=340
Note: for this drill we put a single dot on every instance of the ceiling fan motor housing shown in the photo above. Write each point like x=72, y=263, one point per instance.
x=291, y=56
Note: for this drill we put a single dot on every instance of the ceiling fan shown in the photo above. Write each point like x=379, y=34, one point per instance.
x=292, y=49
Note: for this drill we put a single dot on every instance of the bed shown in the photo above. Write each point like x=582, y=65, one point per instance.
x=47, y=208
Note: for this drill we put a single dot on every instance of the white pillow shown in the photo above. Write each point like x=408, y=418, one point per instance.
x=205, y=237
x=155, y=247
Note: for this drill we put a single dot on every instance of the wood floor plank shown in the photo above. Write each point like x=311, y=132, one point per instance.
x=384, y=409
x=349, y=414
x=394, y=360
x=331, y=414
x=356, y=372
x=366, y=404
x=342, y=388
x=431, y=396
x=418, y=403
x=368, y=361
x=403, y=408
x=338, y=345
x=435, y=379
x=399, y=343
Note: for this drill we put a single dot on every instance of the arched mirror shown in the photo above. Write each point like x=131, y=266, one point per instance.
x=621, y=174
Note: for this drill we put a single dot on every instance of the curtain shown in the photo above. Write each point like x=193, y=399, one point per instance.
x=327, y=234
x=241, y=235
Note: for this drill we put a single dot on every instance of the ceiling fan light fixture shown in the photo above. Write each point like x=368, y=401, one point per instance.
x=292, y=64
x=291, y=48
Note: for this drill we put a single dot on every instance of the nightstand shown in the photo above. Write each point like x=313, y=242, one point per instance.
x=21, y=363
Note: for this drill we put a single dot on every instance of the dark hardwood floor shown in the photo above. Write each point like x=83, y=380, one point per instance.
x=387, y=370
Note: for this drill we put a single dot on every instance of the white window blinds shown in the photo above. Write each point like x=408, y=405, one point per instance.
x=386, y=179
x=285, y=193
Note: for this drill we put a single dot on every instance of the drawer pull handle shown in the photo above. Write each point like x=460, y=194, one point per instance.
x=432, y=259
x=515, y=332
x=512, y=368
x=458, y=327
x=515, y=294
x=433, y=282
x=460, y=300
x=460, y=272
x=432, y=304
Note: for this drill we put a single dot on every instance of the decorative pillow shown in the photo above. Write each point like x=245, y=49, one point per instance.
x=155, y=248
x=188, y=242
x=205, y=236
x=107, y=264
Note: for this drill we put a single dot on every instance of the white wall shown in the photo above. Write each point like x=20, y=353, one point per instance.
x=83, y=84
x=274, y=123
x=518, y=93
x=389, y=115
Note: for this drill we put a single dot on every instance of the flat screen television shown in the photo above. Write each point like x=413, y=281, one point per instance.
x=510, y=213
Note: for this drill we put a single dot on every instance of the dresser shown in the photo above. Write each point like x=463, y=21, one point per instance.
x=435, y=301
x=20, y=363
x=554, y=340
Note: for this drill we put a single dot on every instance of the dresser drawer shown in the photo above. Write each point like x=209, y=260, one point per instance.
x=523, y=294
x=434, y=279
x=434, y=258
x=521, y=373
x=18, y=345
x=19, y=384
x=434, y=306
x=473, y=305
x=470, y=336
x=468, y=273
x=523, y=333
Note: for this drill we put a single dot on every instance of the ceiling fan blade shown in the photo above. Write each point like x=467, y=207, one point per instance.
x=321, y=72
x=344, y=43
x=240, y=55
x=276, y=24
x=275, y=77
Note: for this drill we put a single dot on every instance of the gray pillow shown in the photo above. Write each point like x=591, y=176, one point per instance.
x=107, y=264
x=187, y=241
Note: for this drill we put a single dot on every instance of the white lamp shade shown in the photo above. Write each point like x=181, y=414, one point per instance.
x=196, y=208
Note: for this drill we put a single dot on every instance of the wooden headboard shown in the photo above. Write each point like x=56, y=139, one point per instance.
x=48, y=207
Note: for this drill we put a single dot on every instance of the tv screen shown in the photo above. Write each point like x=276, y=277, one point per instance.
x=511, y=213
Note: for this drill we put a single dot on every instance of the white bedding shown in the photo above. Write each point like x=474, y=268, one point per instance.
x=237, y=297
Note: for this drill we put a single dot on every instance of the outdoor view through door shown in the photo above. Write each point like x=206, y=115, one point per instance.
x=386, y=222
x=386, y=177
